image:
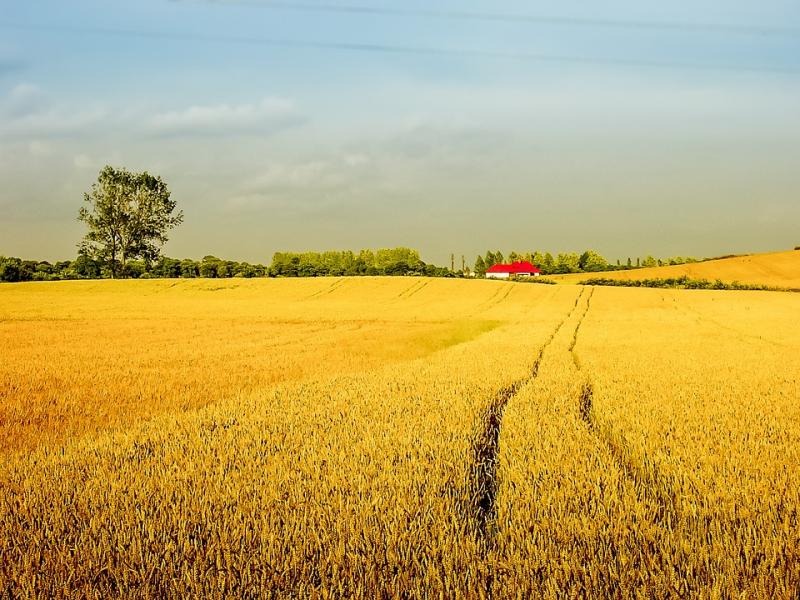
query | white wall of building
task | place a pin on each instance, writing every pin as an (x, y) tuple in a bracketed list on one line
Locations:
[(507, 275)]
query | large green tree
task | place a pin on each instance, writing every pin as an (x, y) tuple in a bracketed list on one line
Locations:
[(128, 215)]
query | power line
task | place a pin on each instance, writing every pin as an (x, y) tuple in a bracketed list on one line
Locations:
[(396, 49), (463, 15)]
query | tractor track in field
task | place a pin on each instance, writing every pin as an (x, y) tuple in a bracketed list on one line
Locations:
[(412, 289), (328, 290), (417, 290), (502, 298), (489, 301), (651, 486), (480, 511), (482, 489), (700, 317), (478, 505)]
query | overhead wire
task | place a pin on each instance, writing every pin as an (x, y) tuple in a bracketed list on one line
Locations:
[(519, 18), (398, 49)]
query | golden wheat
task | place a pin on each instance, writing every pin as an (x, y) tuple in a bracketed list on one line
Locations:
[(775, 269), (397, 438)]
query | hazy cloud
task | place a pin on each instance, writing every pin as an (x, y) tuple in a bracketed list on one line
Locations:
[(307, 187), (82, 161), (268, 115), (315, 174), (356, 160), (23, 100), (27, 111), (39, 148)]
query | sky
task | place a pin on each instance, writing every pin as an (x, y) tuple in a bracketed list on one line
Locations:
[(629, 127)]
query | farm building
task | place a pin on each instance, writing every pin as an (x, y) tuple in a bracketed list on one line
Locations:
[(517, 269)]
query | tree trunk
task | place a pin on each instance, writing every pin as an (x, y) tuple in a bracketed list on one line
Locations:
[(113, 256)]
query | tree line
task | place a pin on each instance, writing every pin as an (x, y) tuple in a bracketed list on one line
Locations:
[(390, 261), (589, 261), (84, 267)]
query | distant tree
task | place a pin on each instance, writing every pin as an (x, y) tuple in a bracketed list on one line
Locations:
[(387, 257), (490, 259), (591, 261), (649, 262), (568, 262), (638, 262), (480, 266), (629, 264), (128, 216), (400, 267), (548, 264), (223, 270), (189, 268), (514, 257), (134, 269), (10, 269), (498, 258), (167, 267), (209, 267)]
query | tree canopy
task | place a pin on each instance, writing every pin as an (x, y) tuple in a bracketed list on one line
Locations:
[(128, 215)]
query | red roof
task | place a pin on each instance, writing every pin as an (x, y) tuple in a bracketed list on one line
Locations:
[(517, 268)]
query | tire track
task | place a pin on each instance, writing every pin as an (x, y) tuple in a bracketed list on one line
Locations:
[(744, 334), (411, 290), (502, 298), (405, 291), (330, 289), (488, 301), (482, 478), (652, 487), (418, 290), (478, 508)]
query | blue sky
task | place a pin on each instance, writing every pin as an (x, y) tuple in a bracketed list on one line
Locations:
[(678, 133)]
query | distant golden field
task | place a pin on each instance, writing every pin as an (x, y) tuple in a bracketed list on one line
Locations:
[(397, 437), (777, 269)]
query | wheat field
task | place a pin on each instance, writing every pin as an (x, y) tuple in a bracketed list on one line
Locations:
[(398, 438), (774, 269)]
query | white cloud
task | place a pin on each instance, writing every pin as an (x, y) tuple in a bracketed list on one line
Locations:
[(300, 187), (24, 90), (270, 114), (81, 161), (356, 160), (27, 111), (277, 175), (23, 100), (39, 148)]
